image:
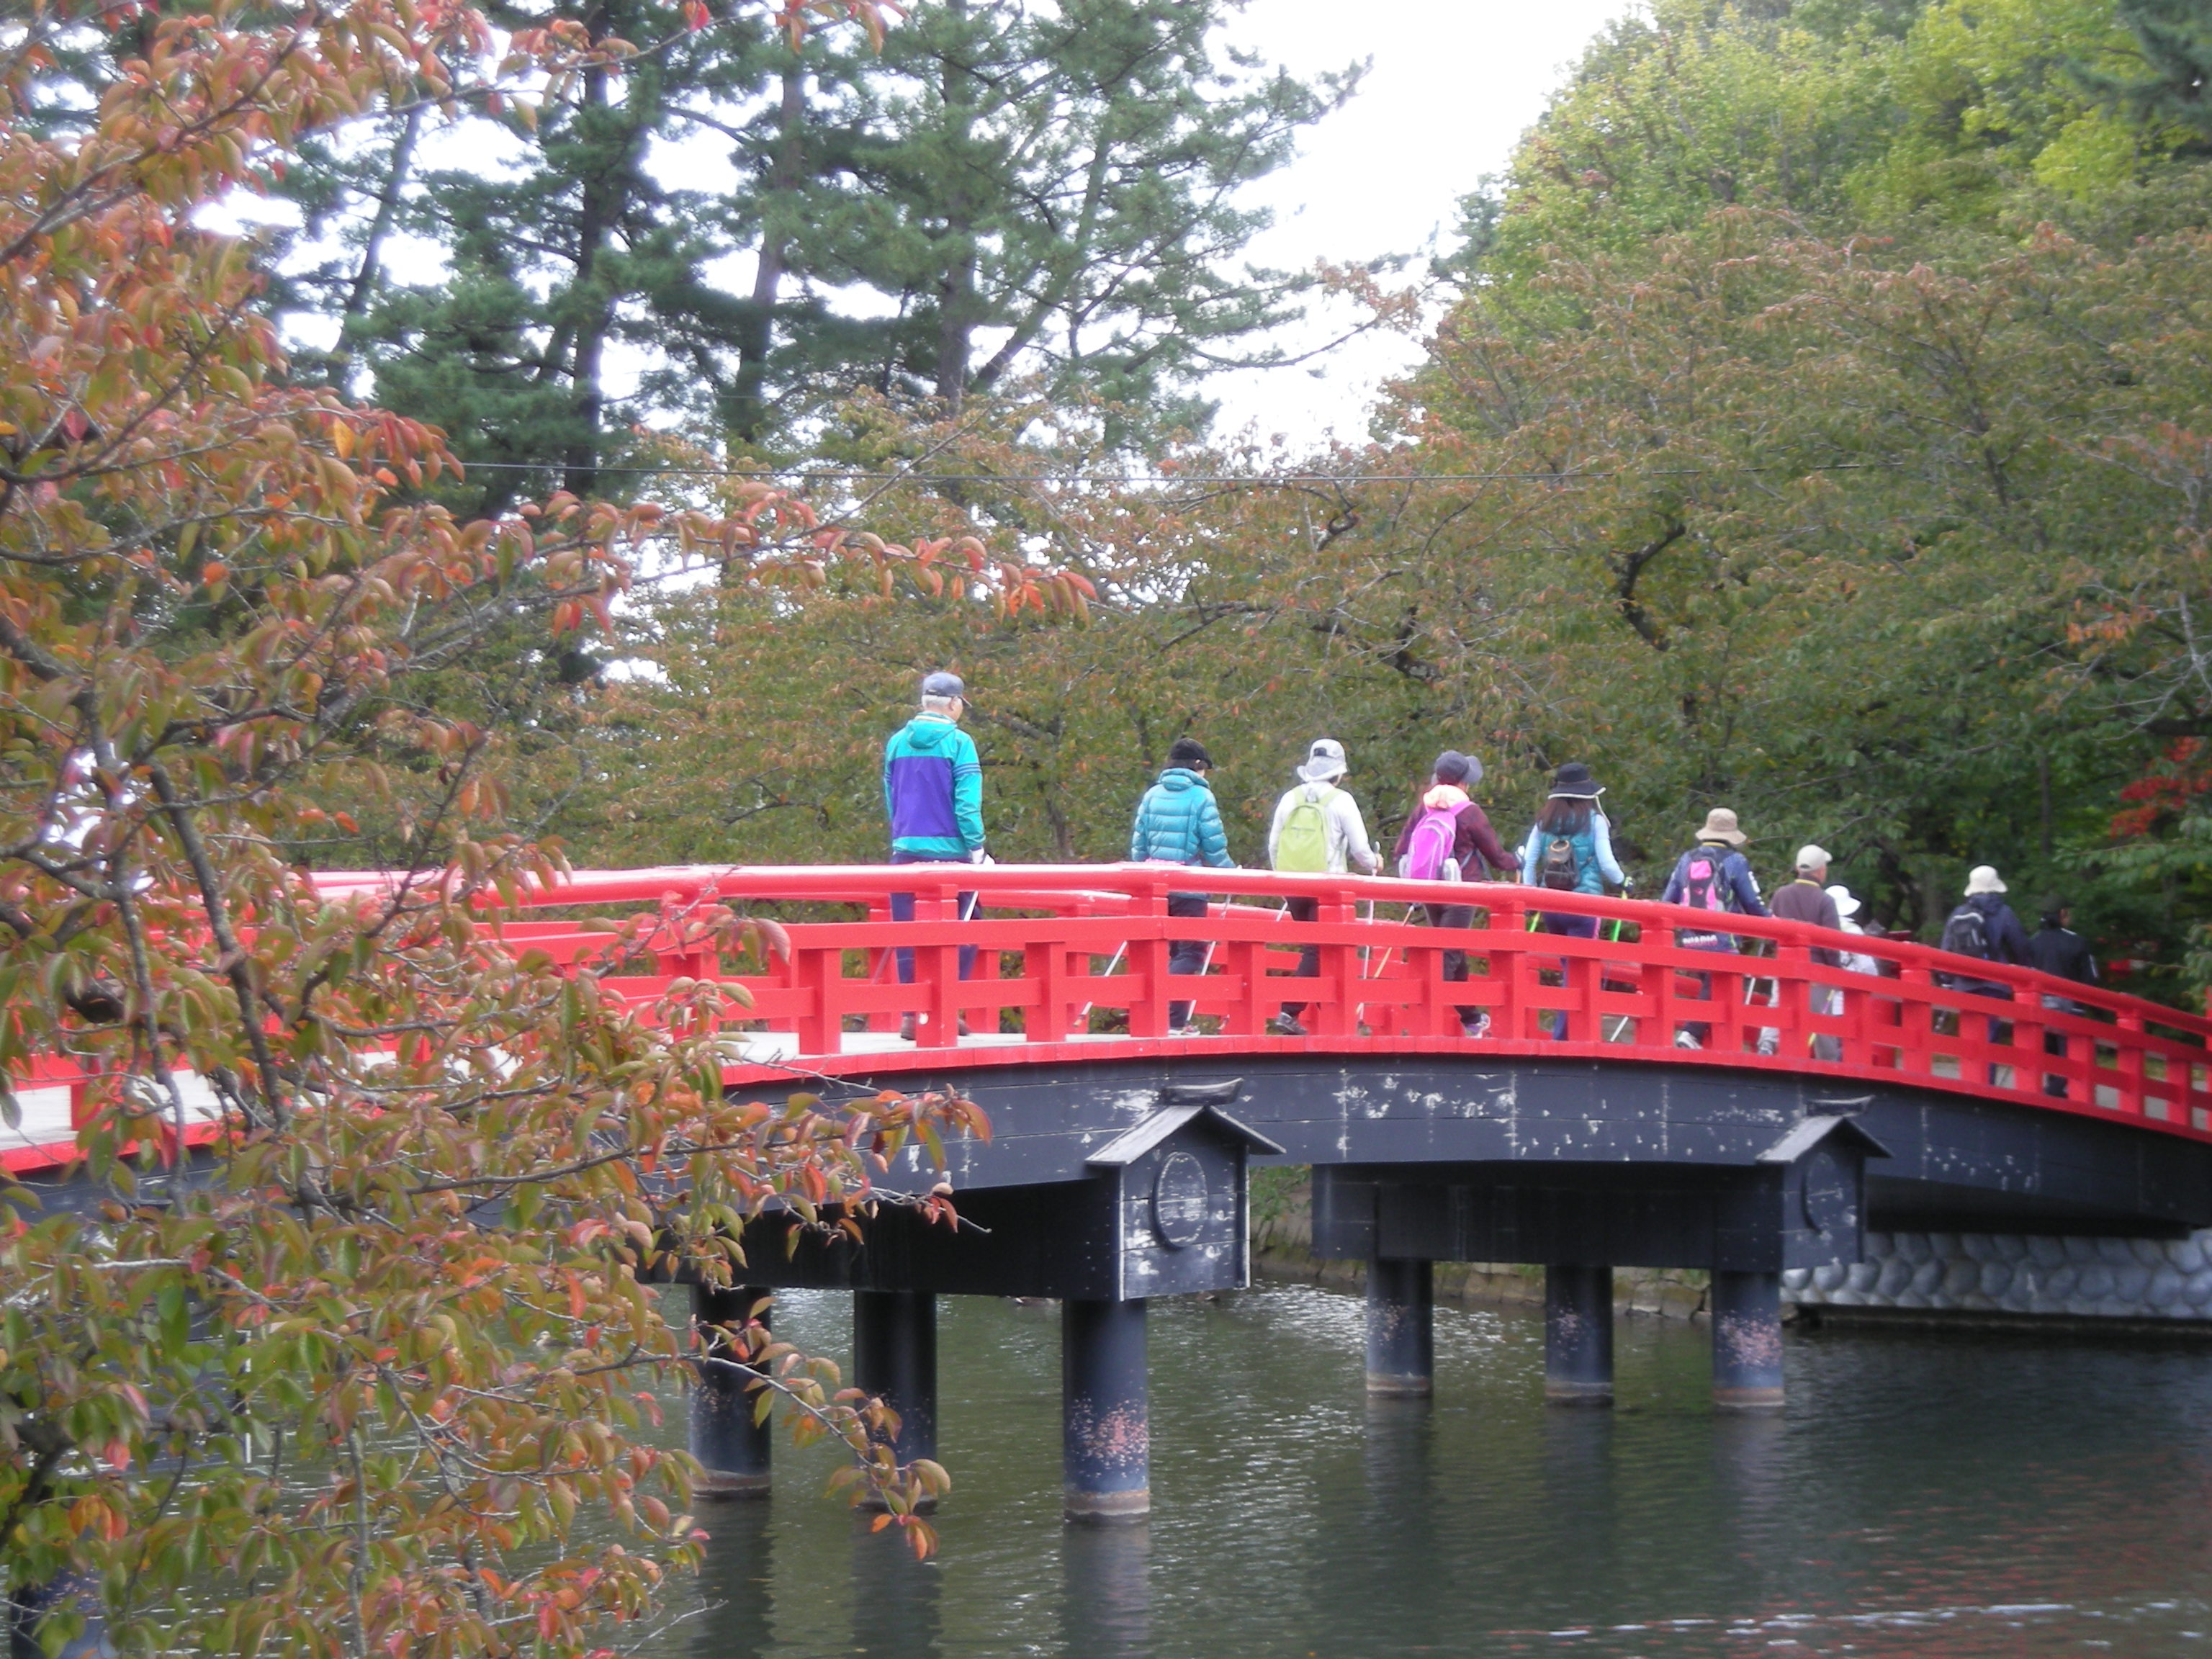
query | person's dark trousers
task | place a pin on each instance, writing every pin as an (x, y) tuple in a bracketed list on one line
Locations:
[(903, 910), (1185, 956), (1701, 1031), (2054, 1043), (1449, 915), (2000, 1029), (1305, 909), (1572, 927)]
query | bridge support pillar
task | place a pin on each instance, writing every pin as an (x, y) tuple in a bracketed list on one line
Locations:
[(732, 1449), (1105, 1429), (1401, 1348), (1577, 1334), (31, 1606), (894, 1356), (1746, 1341)]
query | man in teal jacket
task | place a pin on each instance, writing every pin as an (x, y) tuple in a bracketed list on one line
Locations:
[(1178, 821), (933, 795)]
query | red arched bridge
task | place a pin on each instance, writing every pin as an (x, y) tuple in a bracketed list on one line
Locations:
[(1839, 1083)]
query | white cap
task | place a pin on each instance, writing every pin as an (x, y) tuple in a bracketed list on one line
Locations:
[(1813, 858), (1983, 878)]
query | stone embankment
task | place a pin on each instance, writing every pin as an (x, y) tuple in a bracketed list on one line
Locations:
[(2015, 1273)]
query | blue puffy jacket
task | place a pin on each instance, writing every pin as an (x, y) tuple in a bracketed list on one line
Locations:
[(1178, 823)]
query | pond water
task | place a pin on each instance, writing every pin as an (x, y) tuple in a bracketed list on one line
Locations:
[(1947, 1495)]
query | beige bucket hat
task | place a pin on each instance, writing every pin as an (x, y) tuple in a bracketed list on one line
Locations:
[(1720, 825)]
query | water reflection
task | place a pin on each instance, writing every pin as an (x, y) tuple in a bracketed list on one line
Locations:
[(1921, 1498), (894, 1598), (737, 1586), (1748, 1449), (1106, 1599)]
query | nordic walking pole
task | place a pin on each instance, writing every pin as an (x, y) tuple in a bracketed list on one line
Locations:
[(1083, 1014), (1204, 963)]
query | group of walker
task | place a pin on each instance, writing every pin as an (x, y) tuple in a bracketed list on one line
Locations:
[(932, 793)]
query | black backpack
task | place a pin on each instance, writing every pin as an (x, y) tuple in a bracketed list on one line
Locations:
[(1966, 933)]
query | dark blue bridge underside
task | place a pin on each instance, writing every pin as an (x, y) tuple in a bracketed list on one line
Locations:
[(1536, 1160), (1954, 1162)]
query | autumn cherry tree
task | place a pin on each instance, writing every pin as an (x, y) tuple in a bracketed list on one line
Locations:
[(343, 1382)]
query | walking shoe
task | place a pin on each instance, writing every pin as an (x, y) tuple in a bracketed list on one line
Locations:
[(1684, 1040), (1288, 1025), (907, 1023), (1189, 1028), (1479, 1026)]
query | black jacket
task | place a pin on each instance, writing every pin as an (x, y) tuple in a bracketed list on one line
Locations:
[(2062, 952)]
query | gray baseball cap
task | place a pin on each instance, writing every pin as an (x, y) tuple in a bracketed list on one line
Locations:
[(942, 684)]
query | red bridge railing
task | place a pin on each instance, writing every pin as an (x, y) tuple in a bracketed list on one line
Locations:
[(1067, 956), (1072, 962)]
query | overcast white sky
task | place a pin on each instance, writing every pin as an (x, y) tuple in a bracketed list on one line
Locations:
[(1453, 86)]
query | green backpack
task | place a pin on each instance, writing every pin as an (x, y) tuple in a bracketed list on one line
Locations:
[(1303, 844)]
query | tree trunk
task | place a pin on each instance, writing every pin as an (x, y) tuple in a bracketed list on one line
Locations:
[(580, 469), (604, 184), (956, 315), (371, 250), (954, 328), (757, 336)]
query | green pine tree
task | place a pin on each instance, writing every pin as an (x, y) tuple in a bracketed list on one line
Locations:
[(1048, 190), (2176, 40)]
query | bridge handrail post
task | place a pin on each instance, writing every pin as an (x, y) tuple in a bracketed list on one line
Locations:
[(1917, 1033), (1337, 1005), (1659, 990), (1247, 964), (1792, 973), (1051, 1017), (1732, 991), (1148, 957), (1506, 923), (2129, 1058), (1435, 1010), (810, 972), (937, 967), (2028, 1028)]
